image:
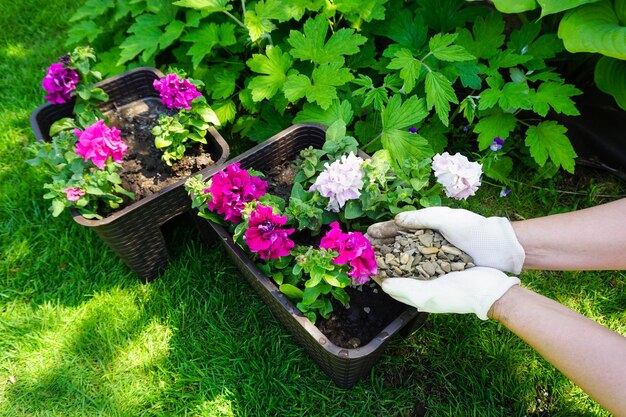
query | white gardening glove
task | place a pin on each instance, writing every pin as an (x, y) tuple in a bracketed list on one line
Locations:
[(490, 241), (471, 291)]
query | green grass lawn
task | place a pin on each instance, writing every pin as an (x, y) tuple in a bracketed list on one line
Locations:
[(80, 335)]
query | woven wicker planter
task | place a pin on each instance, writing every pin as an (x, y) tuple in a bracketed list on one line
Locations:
[(134, 232), (344, 366)]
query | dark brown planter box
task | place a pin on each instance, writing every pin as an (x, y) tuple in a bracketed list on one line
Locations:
[(134, 232), (344, 366)]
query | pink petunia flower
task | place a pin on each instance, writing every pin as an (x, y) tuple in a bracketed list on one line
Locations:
[(73, 193), (98, 141), (231, 188), (459, 176), (340, 181), (59, 82), (265, 234), (354, 249), (176, 93)]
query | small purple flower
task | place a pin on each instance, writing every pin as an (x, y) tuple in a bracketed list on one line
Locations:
[(59, 82), (505, 192), (496, 145), (176, 93), (413, 129)]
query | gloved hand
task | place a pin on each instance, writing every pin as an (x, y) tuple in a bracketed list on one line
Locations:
[(490, 241), (471, 291)]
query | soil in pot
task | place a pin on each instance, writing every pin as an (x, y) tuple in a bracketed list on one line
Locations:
[(143, 172)]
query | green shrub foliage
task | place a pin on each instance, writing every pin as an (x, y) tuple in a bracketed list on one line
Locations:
[(456, 71)]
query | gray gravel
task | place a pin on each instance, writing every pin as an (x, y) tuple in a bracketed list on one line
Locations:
[(422, 254)]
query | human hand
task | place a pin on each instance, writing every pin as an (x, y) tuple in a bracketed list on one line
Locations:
[(471, 291), (490, 241)]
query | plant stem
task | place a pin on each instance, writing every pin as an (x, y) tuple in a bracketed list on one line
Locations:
[(239, 22)]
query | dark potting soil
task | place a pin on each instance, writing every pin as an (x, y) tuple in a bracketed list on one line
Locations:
[(369, 311), (143, 171)]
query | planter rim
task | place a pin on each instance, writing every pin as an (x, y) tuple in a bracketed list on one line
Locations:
[(362, 351)]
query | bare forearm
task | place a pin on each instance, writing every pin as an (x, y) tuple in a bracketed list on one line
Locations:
[(591, 355), (589, 239)]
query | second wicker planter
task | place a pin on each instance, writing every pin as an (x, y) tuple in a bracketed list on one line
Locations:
[(344, 366)]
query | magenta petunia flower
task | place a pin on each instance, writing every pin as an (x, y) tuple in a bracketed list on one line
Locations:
[(265, 234), (354, 249), (98, 141), (176, 93), (73, 194), (59, 82), (231, 188)]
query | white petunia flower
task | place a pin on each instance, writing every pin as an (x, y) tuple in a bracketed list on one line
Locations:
[(459, 176), (340, 181)]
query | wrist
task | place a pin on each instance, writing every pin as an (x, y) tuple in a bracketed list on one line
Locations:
[(501, 309)]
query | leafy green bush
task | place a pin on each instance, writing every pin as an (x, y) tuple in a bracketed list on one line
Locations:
[(589, 26), (454, 71)]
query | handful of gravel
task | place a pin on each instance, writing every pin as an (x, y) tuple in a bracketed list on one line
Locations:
[(421, 254)]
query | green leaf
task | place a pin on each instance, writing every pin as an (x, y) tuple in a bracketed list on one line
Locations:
[(338, 110), (207, 6), (257, 25), (499, 169), (515, 96), (594, 28), (225, 112), (407, 29), (440, 41), (353, 209), (486, 37), (171, 33), (469, 74), (610, 77), (556, 6), (557, 96), (91, 9), (223, 83), (508, 59), (548, 139), (57, 207), (62, 124), (409, 67), (403, 145), (85, 29), (322, 90), (311, 45), (398, 115), (296, 86), (496, 124), (439, 93), (310, 295), (144, 40), (206, 37), (274, 65), (517, 6), (291, 291), (338, 281), (441, 48)]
